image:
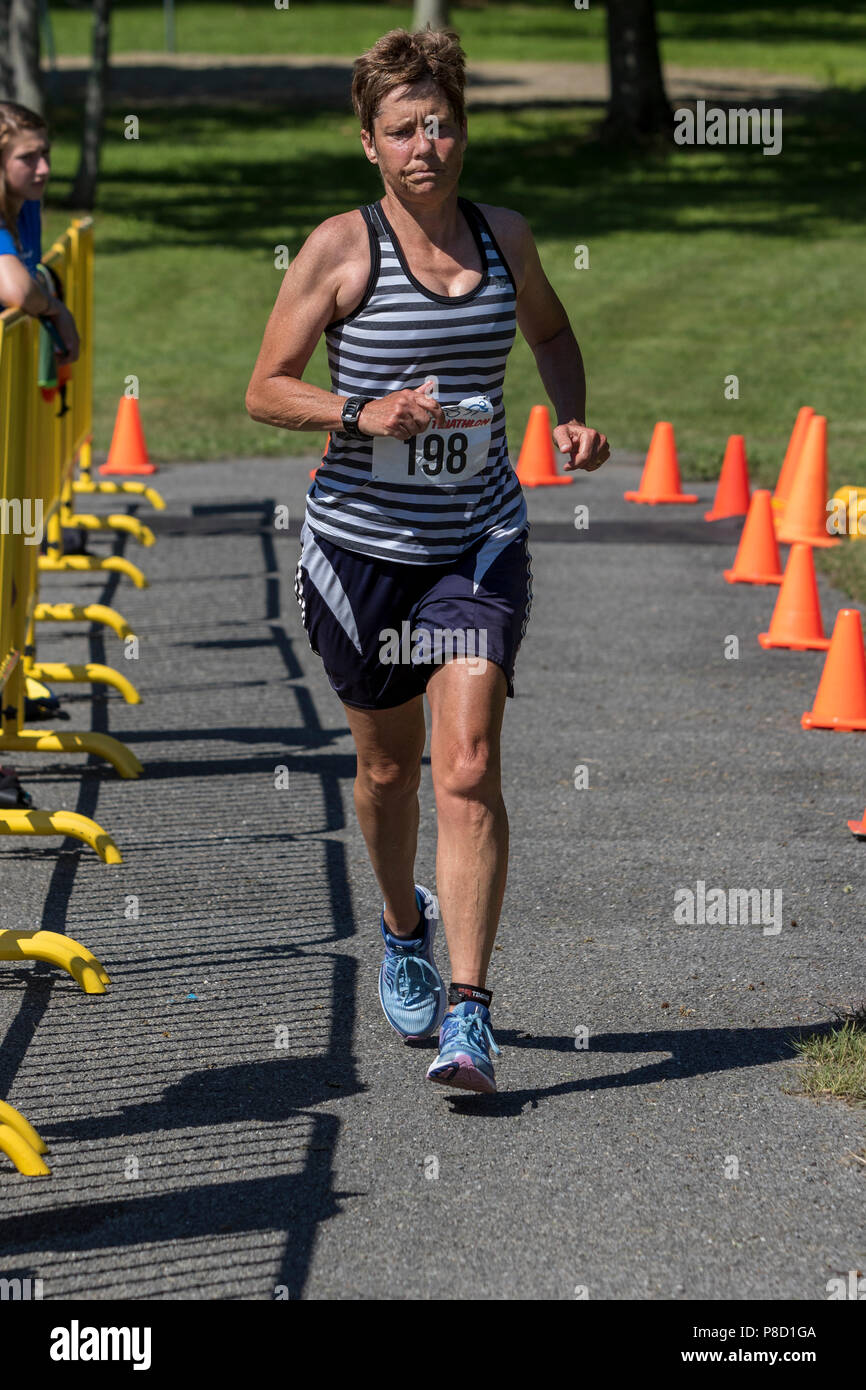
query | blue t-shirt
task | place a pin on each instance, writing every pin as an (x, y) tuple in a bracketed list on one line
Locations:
[(29, 234)]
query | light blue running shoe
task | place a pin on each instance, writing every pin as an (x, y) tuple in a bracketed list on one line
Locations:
[(411, 991), (465, 1040)]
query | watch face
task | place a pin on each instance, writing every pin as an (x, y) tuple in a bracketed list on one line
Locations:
[(351, 410)]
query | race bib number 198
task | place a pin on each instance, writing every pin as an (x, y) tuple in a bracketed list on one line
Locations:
[(442, 454)]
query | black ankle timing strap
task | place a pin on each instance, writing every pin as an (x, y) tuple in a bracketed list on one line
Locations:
[(469, 994)]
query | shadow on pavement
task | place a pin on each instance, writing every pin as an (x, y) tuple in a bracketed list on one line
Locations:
[(240, 1096)]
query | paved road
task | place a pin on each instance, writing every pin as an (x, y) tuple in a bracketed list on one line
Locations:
[(271, 1134), (324, 81)]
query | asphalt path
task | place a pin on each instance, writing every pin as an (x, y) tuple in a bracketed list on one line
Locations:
[(324, 81), (235, 1119)]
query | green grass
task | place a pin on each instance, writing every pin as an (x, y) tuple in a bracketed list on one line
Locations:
[(835, 1060), (823, 41), (703, 263)]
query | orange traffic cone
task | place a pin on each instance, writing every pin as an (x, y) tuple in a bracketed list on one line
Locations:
[(805, 514), (128, 452), (314, 471), (788, 471), (660, 480), (536, 466), (858, 827), (757, 559), (841, 699), (796, 621), (732, 493)]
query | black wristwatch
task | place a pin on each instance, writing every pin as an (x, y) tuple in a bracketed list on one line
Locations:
[(351, 410)]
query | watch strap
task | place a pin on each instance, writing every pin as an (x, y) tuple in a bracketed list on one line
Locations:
[(350, 416)]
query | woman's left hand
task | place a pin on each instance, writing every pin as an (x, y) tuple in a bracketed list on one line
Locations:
[(587, 448)]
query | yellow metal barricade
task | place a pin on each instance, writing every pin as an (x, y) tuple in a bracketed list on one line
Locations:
[(80, 284), (81, 233), (37, 448), (72, 256), (81, 256), (56, 440)]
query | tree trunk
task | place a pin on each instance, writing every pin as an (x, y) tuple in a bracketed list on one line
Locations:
[(638, 107), (24, 53), (434, 11), (83, 194), (7, 81)]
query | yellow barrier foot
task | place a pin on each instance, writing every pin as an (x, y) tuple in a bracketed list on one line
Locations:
[(24, 1157), (34, 689), (56, 949), (15, 1120), (116, 522), (83, 613), (103, 745), (62, 823), (89, 671), (136, 489), (115, 564), (79, 951)]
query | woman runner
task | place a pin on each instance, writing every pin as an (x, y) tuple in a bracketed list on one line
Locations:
[(414, 573)]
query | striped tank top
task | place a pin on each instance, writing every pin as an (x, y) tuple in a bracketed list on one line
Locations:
[(400, 334)]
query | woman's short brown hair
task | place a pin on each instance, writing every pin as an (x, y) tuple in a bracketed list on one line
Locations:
[(401, 59)]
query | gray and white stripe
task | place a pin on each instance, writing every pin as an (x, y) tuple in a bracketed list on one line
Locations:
[(325, 578), (400, 334)]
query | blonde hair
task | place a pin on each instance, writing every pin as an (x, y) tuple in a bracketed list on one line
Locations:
[(401, 58), (15, 120)]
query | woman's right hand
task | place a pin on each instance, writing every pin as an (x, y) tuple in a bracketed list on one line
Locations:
[(65, 324), (401, 414)]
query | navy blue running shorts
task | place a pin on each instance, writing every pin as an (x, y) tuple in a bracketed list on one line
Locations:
[(382, 628)]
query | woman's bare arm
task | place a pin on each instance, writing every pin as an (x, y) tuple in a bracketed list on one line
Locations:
[(308, 300)]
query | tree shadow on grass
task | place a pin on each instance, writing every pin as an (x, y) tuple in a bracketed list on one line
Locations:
[(760, 22), (303, 167)]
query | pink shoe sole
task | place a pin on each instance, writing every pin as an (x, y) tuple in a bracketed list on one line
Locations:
[(463, 1074)]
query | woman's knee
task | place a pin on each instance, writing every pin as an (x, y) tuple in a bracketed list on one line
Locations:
[(469, 770), (389, 779)]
